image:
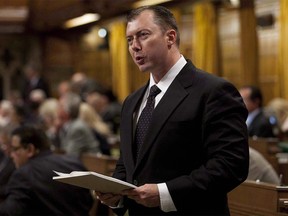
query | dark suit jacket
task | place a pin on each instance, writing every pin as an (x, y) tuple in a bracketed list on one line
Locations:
[(260, 126), (41, 84), (7, 167), (32, 191), (196, 143)]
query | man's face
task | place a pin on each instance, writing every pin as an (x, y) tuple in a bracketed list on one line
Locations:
[(148, 45), (19, 154), (5, 143), (62, 115), (250, 105)]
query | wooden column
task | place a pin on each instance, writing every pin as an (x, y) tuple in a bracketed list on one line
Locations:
[(283, 49), (205, 37), (249, 43)]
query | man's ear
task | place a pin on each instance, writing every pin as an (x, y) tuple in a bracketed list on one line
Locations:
[(32, 151), (171, 37)]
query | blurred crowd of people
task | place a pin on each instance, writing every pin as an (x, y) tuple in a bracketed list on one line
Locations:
[(84, 111), (83, 118)]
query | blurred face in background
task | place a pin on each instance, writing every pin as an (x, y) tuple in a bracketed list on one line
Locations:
[(97, 101), (5, 143), (250, 104), (62, 115), (19, 154)]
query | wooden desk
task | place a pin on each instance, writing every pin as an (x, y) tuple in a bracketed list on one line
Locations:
[(268, 147), (258, 199), (99, 163), (102, 164)]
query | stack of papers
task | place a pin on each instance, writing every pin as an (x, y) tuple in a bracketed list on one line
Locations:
[(93, 181)]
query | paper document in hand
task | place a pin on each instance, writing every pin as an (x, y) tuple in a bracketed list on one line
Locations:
[(93, 181)]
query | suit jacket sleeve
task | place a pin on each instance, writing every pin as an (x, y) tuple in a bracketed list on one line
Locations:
[(226, 161)]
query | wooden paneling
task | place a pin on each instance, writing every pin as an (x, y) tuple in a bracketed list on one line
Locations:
[(13, 3), (230, 43), (268, 50)]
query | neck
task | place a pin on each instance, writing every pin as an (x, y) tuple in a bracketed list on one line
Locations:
[(168, 64)]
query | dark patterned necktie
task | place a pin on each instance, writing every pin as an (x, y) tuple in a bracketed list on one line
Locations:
[(145, 118)]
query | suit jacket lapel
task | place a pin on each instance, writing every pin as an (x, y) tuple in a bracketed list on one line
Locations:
[(170, 101), (127, 122)]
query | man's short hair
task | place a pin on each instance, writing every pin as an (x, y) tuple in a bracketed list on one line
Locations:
[(163, 17), (32, 135), (255, 95)]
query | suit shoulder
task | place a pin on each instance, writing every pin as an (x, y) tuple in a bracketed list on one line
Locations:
[(211, 82), (191, 75)]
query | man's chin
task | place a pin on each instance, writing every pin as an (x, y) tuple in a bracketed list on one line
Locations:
[(142, 68)]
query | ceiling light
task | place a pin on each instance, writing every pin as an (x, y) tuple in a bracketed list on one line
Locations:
[(11, 14), (235, 3), (82, 20), (102, 33), (149, 2)]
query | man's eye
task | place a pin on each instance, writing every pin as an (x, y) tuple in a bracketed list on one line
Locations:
[(144, 34), (129, 40)]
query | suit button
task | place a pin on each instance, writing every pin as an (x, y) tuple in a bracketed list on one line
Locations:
[(135, 182)]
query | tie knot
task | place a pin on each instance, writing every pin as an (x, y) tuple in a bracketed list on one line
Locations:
[(154, 90)]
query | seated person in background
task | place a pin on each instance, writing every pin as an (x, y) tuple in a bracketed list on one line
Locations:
[(5, 112), (75, 135), (7, 166), (36, 98), (99, 128), (63, 88), (48, 114), (278, 108), (106, 104), (260, 169), (31, 189), (257, 122), (80, 82)]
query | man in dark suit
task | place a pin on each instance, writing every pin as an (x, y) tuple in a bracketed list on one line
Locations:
[(195, 150), (31, 189), (33, 80), (257, 122)]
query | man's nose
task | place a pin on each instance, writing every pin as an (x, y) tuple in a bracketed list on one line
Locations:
[(136, 46)]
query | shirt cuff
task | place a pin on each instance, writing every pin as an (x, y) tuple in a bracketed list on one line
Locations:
[(166, 202)]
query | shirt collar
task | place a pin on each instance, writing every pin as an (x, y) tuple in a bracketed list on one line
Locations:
[(252, 115), (165, 82)]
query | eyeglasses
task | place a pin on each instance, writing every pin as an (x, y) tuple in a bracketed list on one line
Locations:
[(14, 149)]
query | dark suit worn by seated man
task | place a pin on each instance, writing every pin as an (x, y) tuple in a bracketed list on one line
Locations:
[(31, 189), (257, 122)]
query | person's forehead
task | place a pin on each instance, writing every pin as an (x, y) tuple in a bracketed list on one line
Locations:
[(143, 20), (245, 91), (15, 140)]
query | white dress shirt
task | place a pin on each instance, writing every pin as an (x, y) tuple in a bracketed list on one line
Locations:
[(166, 202), (251, 117)]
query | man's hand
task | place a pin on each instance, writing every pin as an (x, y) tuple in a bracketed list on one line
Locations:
[(146, 195), (108, 199)]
